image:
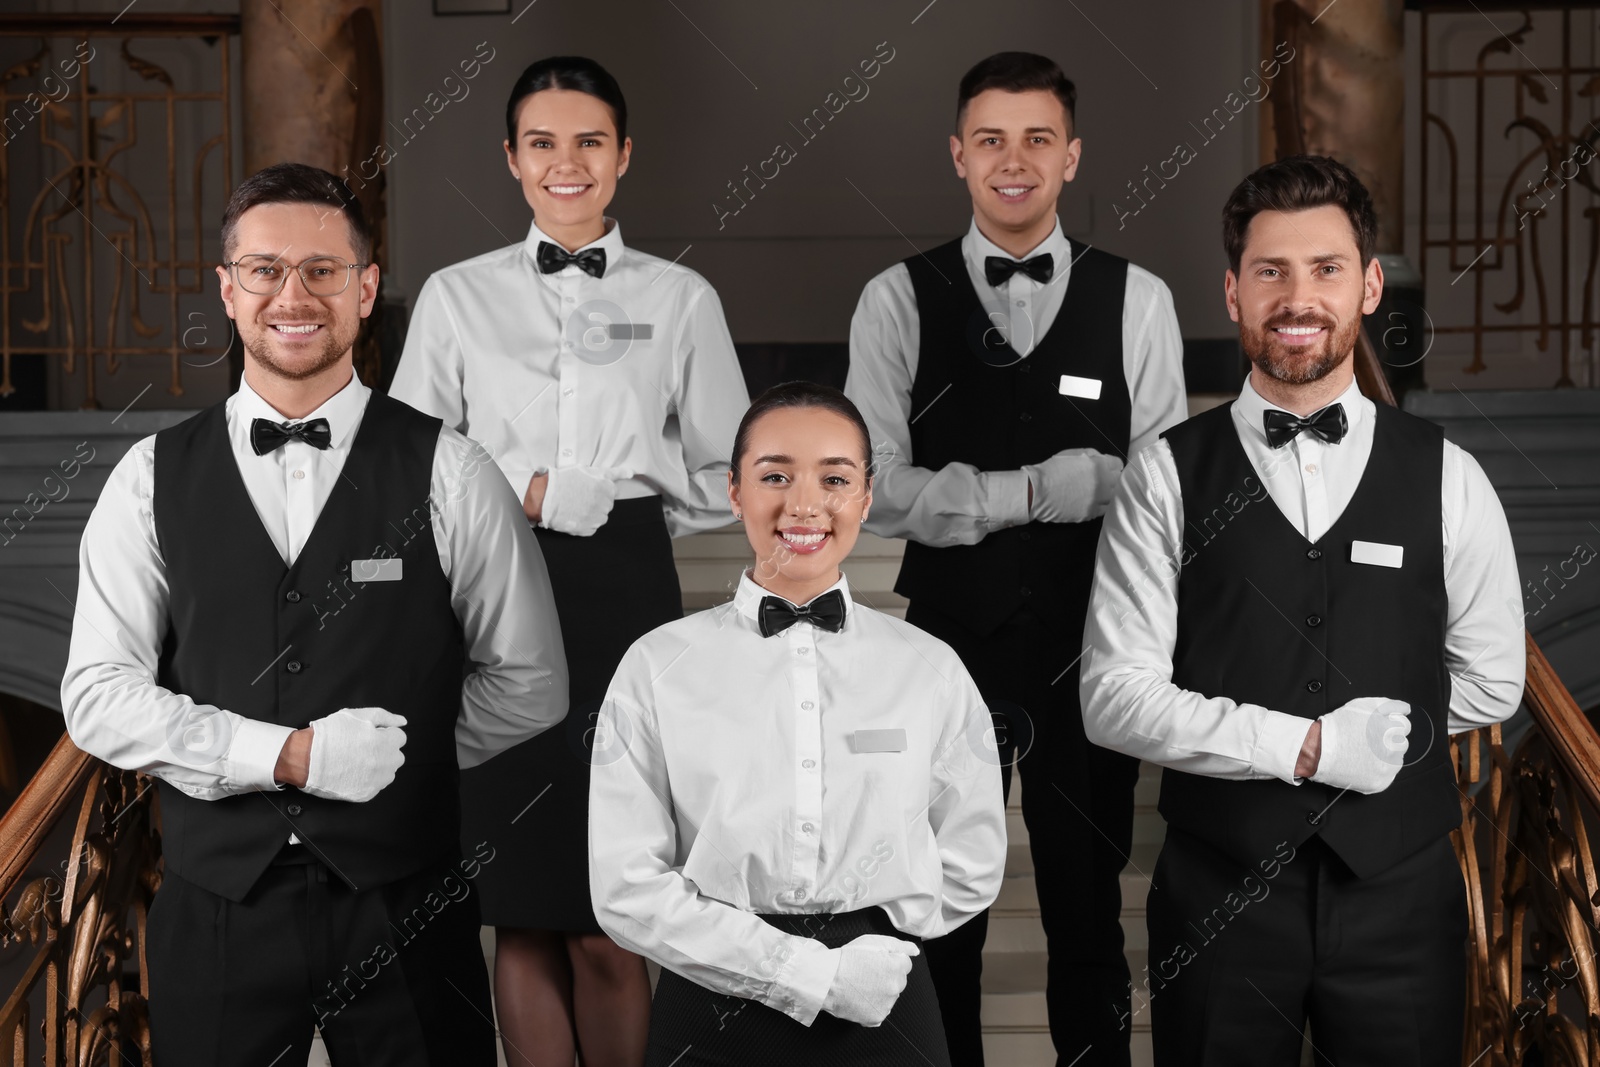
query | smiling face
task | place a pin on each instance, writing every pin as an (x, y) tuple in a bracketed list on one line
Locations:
[(803, 491), (568, 161), (1299, 296), (294, 335), (1016, 151)]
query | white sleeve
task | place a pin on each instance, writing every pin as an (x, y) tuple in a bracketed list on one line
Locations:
[(641, 897), (966, 805), (1130, 703), (501, 594), (113, 706), (1152, 358), (955, 505), (709, 401), (1484, 645)]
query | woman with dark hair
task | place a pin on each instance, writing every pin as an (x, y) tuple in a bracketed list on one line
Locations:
[(605, 385), (795, 788)]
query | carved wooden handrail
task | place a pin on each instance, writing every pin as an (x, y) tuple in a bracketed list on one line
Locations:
[(87, 923)]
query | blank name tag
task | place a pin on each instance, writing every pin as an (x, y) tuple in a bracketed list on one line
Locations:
[(1378, 555), (375, 570), (1088, 388), (879, 740), (630, 331)]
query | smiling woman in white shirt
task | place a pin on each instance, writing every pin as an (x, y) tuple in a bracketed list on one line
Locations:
[(604, 383), (791, 790)]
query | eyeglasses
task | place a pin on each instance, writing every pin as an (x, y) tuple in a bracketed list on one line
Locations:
[(321, 275)]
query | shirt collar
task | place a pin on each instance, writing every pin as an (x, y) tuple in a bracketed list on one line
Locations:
[(977, 247), (343, 410), (610, 241), (747, 598), (1251, 406)]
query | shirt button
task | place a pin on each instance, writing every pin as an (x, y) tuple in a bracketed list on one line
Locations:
[(1314, 553), (292, 597), (806, 827), (293, 809), (1022, 304), (808, 764), (807, 705), (1311, 468), (293, 666), (566, 392), (569, 344), (566, 451), (1313, 620), (1314, 686), (803, 650), (1313, 818), (299, 474), (799, 894)]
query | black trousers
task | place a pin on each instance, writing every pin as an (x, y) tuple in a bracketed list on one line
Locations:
[(1240, 961), (691, 1026), (1077, 801), (392, 975)]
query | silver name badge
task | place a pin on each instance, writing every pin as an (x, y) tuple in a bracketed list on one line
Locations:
[(878, 741), (1088, 388), (1379, 555), (375, 570)]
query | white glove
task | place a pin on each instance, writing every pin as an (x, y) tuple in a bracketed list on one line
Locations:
[(1074, 485), (1363, 744), (871, 976), (355, 752), (578, 499)]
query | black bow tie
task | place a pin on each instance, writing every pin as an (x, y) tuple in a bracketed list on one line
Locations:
[(826, 612), (1328, 424), (268, 436), (592, 261), (996, 269)]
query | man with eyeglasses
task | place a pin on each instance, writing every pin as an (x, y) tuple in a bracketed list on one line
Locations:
[(300, 612)]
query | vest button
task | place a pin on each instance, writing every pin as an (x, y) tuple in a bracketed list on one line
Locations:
[(1313, 620), (1314, 686), (1313, 553), (293, 809), (1025, 417), (1314, 818), (1026, 536), (1024, 369), (293, 666), (292, 597), (1026, 591)]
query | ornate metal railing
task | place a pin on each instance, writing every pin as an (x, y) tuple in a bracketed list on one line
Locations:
[(1509, 141), (72, 1006), (112, 172)]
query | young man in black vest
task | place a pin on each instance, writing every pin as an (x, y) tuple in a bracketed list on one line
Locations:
[(300, 611), (1011, 372), (1298, 598)]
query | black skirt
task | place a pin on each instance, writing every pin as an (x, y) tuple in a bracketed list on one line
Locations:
[(531, 802), (691, 1026)]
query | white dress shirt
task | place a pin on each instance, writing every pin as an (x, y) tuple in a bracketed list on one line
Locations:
[(116, 710), (734, 777), (959, 504), (1129, 701), (633, 369)]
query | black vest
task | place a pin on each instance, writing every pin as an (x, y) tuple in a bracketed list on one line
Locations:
[(291, 644), (976, 401), (1267, 617)]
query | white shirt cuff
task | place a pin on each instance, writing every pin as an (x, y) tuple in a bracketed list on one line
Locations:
[(1005, 498), (1278, 745), (253, 755), (805, 980)]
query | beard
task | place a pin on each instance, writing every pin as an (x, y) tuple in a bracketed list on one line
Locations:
[(1298, 365), (335, 344)]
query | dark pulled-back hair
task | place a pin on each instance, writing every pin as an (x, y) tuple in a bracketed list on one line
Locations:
[(578, 73), (1296, 183), (1018, 72), (799, 394), (297, 183)]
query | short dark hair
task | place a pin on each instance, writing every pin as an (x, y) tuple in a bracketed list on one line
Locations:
[(800, 394), (1018, 72), (1296, 183), (578, 73), (297, 183)]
